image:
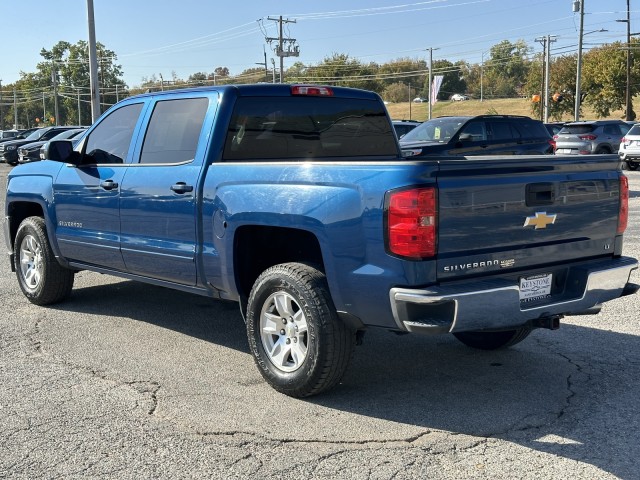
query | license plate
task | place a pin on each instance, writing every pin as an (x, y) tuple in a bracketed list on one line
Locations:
[(535, 287), (563, 150)]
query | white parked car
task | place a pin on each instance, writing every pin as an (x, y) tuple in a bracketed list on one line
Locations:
[(629, 150), (458, 97), (420, 100)]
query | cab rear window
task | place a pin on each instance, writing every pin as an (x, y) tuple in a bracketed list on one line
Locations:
[(301, 128)]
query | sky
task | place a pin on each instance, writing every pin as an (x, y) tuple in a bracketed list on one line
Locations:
[(153, 40)]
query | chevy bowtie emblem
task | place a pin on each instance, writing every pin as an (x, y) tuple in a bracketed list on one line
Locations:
[(540, 220)]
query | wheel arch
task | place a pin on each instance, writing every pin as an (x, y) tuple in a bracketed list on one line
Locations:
[(17, 212), (257, 248)]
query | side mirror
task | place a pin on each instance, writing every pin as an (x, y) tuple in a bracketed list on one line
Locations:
[(59, 151), (465, 137)]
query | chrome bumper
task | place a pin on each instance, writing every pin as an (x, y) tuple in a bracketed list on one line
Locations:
[(495, 303)]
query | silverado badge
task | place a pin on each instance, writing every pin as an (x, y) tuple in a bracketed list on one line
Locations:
[(540, 220)]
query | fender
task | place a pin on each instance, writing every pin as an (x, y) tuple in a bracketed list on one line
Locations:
[(26, 188)]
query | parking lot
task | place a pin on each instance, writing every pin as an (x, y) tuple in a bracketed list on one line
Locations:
[(127, 380)]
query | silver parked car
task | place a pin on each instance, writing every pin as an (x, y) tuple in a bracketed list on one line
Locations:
[(598, 136), (630, 148)]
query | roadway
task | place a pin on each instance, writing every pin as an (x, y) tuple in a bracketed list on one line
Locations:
[(126, 380)]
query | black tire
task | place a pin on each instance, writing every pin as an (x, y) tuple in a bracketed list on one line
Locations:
[(298, 342), (602, 150), (493, 340), (41, 278), (632, 165)]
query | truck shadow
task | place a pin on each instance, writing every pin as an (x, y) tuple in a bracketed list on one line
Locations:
[(571, 393)]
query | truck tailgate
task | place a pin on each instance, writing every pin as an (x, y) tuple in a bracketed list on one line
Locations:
[(498, 215)]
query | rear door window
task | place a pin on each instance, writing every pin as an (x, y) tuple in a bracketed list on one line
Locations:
[(299, 128), (500, 131), (174, 130), (612, 130)]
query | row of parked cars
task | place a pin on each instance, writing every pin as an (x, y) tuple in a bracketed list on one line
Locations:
[(477, 135), (25, 146), (518, 135)]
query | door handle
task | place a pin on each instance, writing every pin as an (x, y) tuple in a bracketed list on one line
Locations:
[(182, 187), (109, 184)]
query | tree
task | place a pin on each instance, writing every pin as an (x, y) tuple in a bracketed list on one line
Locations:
[(562, 85), (398, 92), (339, 69), (506, 70), (453, 78), (604, 77), (406, 70), (69, 65)]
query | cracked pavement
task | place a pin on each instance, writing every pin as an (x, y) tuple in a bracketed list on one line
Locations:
[(126, 380)]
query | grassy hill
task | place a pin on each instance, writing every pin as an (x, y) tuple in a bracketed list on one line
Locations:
[(502, 106)]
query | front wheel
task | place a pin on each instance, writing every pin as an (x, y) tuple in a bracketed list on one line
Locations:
[(632, 165), (41, 278), (493, 340), (297, 340)]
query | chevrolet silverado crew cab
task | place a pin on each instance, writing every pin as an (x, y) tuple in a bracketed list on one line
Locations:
[(296, 202)]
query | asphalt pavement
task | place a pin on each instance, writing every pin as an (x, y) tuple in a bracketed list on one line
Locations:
[(129, 381)]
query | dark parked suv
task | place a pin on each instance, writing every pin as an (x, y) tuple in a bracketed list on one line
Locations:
[(480, 135), (9, 150)]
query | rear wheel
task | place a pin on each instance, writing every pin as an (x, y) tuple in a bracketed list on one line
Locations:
[(632, 165), (41, 278), (602, 150), (297, 340), (493, 340)]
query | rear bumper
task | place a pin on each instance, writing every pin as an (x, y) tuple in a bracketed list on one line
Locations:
[(495, 304)]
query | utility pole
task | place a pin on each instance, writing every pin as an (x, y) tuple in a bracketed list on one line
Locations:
[(431, 49), (292, 49), (54, 79), (546, 44), (629, 113), (79, 111), (15, 109), (481, 76), (578, 94), (93, 64), (264, 64)]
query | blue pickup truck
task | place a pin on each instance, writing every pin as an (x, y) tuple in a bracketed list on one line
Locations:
[(295, 202)]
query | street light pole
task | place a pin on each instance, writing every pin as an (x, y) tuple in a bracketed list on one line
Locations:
[(431, 49), (93, 64), (576, 113), (629, 113)]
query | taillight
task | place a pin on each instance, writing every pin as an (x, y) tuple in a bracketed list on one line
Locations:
[(587, 137), (411, 222), (623, 215), (311, 90)]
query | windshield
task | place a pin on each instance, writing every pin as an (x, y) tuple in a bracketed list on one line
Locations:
[(635, 130), (436, 130), (67, 134), (35, 135)]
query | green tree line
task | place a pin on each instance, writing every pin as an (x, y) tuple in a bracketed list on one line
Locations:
[(60, 83)]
